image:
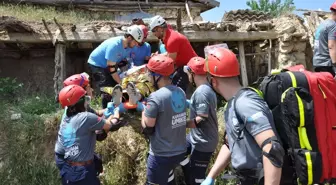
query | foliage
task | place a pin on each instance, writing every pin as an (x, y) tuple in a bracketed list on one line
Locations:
[(274, 7), (38, 105), (25, 152), (9, 88)]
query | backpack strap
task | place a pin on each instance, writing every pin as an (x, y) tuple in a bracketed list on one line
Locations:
[(240, 120)]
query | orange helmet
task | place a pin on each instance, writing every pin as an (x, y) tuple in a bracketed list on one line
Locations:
[(77, 79), (222, 62), (333, 6), (196, 64), (145, 31), (161, 65), (70, 95)]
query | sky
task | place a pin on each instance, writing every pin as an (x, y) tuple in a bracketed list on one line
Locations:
[(216, 14)]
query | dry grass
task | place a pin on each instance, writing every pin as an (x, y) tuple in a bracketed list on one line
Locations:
[(36, 13)]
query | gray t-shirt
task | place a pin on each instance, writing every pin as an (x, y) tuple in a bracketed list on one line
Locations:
[(77, 136), (59, 148), (168, 106), (204, 101), (324, 32), (246, 153)]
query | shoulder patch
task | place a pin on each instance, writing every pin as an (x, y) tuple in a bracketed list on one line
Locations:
[(255, 117)]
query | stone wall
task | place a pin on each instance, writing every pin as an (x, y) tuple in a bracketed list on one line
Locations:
[(293, 45)]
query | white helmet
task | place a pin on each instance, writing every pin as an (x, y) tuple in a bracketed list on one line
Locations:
[(156, 21), (136, 32)]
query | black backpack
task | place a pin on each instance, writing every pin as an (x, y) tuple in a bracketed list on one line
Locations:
[(287, 95)]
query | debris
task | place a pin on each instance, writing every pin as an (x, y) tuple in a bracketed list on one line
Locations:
[(15, 116)]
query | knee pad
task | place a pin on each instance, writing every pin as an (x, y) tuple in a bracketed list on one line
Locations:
[(276, 153)]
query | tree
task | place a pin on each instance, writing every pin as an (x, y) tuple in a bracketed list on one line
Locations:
[(274, 7)]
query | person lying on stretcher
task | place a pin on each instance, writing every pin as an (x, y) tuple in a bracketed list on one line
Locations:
[(131, 94)]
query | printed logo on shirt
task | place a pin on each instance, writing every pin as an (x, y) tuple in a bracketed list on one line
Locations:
[(178, 101), (72, 151), (201, 105), (179, 120), (178, 104), (69, 135)]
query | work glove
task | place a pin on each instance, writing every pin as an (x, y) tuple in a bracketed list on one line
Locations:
[(101, 135), (208, 181), (109, 110)]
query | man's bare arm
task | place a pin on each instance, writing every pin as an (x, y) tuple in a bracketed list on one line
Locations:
[(332, 50), (191, 123), (172, 55), (146, 121), (222, 161), (272, 174)]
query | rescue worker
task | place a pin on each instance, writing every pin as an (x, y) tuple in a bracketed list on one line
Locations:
[(77, 136), (105, 60), (142, 53), (256, 153), (83, 81), (203, 137), (324, 59), (164, 122), (178, 48)]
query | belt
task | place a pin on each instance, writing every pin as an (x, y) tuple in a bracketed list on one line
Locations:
[(80, 163)]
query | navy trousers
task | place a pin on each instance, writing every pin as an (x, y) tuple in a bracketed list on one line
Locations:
[(159, 169)]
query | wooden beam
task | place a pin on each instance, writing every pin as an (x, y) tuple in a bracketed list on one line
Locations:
[(242, 62), (60, 67), (90, 36), (270, 57), (213, 3), (188, 12)]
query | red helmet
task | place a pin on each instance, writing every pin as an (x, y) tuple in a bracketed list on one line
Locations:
[(77, 79), (222, 62), (333, 6), (196, 64), (145, 31), (161, 65), (70, 95)]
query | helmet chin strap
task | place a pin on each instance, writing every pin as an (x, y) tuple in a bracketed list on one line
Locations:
[(156, 82), (193, 80)]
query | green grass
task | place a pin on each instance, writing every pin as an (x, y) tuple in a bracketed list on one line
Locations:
[(36, 13)]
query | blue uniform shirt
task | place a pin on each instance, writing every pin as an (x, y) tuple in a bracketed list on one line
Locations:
[(111, 49), (140, 53)]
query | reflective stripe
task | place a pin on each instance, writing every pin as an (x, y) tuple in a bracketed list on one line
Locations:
[(171, 178), (185, 161), (199, 181), (324, 95), (292, 76), (259, 92), (309, 167)]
